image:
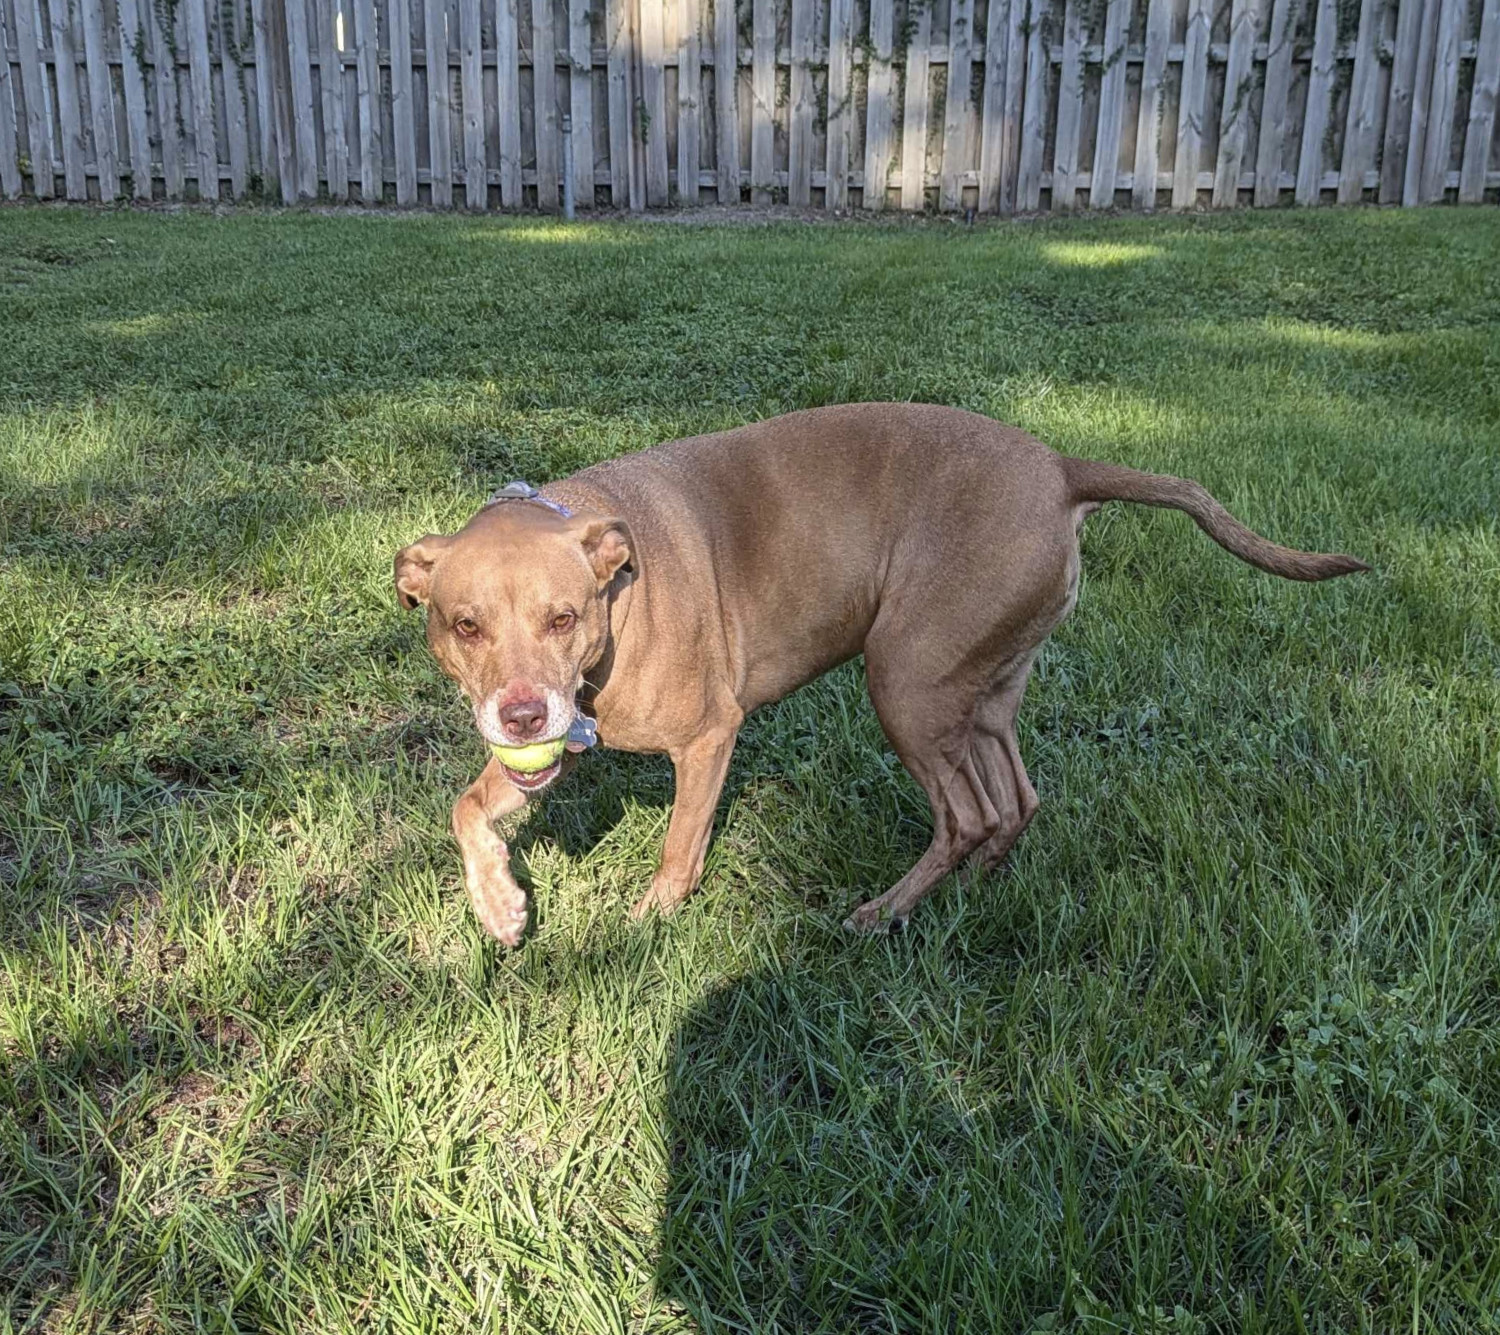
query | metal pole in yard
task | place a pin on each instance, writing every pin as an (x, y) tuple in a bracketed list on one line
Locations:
[(567, 166)]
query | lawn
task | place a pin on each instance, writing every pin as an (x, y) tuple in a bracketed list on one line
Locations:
[(1219, 1049)]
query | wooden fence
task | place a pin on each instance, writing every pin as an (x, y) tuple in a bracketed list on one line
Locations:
[(998, 105)]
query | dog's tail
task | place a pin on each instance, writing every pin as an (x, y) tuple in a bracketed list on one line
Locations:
[(1093, 482)]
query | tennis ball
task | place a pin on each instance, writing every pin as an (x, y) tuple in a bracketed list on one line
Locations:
[(530, 759)]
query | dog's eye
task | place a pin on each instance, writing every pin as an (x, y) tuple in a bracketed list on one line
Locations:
[(466, 627), (562, 623)]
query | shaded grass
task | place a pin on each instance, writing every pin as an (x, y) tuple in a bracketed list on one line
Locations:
[(1217, 1050)]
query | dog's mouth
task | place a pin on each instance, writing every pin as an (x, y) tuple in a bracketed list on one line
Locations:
[(533, 783)]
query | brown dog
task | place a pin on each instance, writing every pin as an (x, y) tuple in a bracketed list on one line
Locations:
[(680, 588)]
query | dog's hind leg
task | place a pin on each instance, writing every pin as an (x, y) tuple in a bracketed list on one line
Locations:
[(997, 757), (931, 729)]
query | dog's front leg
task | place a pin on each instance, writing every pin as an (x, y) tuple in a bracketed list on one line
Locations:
[(701, 767), (497, 899)]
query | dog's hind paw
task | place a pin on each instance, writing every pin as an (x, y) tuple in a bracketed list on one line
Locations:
[(875, 918)]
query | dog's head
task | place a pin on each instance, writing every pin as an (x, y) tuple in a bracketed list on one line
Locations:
[(518, 607)]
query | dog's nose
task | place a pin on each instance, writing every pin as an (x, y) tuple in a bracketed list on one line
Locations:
[(523, 719)]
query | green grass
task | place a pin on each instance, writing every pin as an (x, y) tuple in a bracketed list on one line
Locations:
[(1220, 1048)]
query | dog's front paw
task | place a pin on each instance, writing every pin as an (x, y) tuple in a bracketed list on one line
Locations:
[(874, 918), (664, 897), (497, 899)]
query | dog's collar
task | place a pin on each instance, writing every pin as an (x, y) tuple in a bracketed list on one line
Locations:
[(524, 491)]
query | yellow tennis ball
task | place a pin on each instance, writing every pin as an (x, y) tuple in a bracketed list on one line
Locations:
[(530, 759)]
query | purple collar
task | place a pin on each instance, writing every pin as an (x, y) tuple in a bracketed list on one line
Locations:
[(524, 491)]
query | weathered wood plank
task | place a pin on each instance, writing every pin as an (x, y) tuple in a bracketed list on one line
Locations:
[(1234, 121), (65, 70), (1190, 108), (1439, 140), (1111, 106), (726, 101), (762, 101), (653, 59), (1319, 92), (1148, 124), (439, 114), (621, 104), (1359, 124), (544, 88), (299, 56), (471, 89), (1034, 110), (367, 75), (1480, 134), (164, 76), (331, 89), (956, 103), (878, 108), (508, 95), (265, 98), (1399, 103), (403, 104), (1421, 99), (840, 101), (101, 99), (992, 115), (800, 128), (581, 101), (34, 95), (1268, 148), (689, 91), (204, 134), (236, 115), (10, 99), (914, 111), (1069, 110)]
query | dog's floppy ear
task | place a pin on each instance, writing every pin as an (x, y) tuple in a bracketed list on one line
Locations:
[(608, 545), (414, 569)]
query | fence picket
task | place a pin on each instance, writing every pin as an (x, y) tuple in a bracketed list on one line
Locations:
[(878, 109), (799, 149), (580, 101), (1190, 109), (689, 90), (265, 99), (621, 104), (914, 110), (762, 102), (1069, 110), (331, 95), (1268, 149), (653, 59), (205, 133), (236, 114), (164, 72), (956, 104), (1148, 123), (1319, 92), (439, 119), (403, 105), (1421, 99), (65, 71), (1234, 125), (1393, 153), (508, 94), (299, 53), (992, 125), (10, 162), (101, 99), (33, 88), (367, 75), (726, 101), (1111, 105), (1439, 140), (1481, 129), (1359, 124), (544, 94), (1033, 124), (840, 97), (471, 90)]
